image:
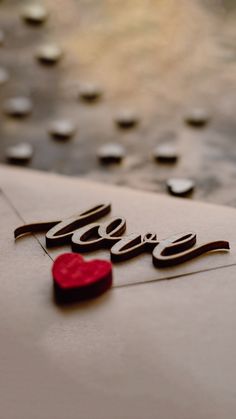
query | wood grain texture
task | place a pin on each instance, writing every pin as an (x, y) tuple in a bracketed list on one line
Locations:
[(159, 58)]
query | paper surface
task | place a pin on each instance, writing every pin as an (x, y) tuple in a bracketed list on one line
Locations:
[(164, 349), (43, 197)]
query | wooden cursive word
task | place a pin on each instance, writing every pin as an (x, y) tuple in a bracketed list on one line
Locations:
[(86, 234)]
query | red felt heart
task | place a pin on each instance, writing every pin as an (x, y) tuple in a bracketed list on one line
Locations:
[(75, 279)]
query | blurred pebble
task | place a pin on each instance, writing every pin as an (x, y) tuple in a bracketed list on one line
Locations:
[(62, 129), (20, 153), (111, 153), (126, 119), (2, 37), (34, 14), (18, 107), (4, 76), (90, 92), (197, 118), (49, 54), (180, 186), (165, 153)]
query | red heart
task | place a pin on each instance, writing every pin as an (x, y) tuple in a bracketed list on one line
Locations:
[(75, 279)]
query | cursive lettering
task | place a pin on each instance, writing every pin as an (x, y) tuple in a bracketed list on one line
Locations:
[(86, 235)]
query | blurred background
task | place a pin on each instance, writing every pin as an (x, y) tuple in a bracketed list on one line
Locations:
[(129, 92)]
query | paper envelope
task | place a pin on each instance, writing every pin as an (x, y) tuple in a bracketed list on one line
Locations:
[(145, 349)]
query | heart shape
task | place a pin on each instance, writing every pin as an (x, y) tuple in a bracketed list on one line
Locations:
[(180, 187), (76, 279)]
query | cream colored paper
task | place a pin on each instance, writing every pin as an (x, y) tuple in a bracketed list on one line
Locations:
[(43, 197), (159, 350)]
